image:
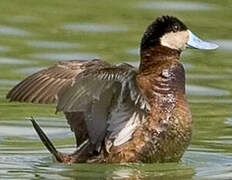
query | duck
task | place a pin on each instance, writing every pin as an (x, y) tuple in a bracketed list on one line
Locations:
[(120, 113)]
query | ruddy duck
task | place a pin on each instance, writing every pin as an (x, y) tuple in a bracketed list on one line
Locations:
[(117, 112)]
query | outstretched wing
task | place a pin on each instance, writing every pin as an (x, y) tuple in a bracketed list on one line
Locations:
[(95, 97), (43, 86), (91, 84), (103, 93)]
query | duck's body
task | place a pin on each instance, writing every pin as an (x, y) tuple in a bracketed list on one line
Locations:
[(119, 113), (166, 131)]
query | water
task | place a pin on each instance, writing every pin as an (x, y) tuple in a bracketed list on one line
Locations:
[(178, 6), (88, 27), (34, 33), (5, 30), (64, 56)]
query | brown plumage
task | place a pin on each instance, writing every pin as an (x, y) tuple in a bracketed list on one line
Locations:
[(117, 112)]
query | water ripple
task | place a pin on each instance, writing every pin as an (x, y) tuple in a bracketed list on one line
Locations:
[(64, 56), (178, 6), (6, 60), (6, 82), (29, 132), (6, 30), (93, 27), (4, 48), (205, 91), (224, 44), (29, 70), (52, 44)]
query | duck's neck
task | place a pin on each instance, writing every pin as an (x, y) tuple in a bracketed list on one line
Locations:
[(156, 54), (161, 76)]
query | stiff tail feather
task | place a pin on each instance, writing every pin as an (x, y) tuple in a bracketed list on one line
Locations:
[(51, 148)]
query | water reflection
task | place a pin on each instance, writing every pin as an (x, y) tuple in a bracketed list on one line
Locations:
[(4, 48), (134, 51), (210, 101), (92, 27), (211, 165), (6, 82), (56, 127), (178, 6), (229, 121), (29, 70), (20, 166), (125, 173), (224, 44), (52, 44), (6, 60), (7, 30), (208, 76), (64, 56), (30, 133), (205, 91), (115, 171), (23, 19)]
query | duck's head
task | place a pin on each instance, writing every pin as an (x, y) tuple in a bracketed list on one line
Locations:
[(172, 33)]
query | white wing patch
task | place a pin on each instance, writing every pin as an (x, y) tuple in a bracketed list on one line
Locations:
[(122, 123), (126, 133)]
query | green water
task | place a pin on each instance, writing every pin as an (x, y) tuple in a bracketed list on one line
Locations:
[(35, 34)]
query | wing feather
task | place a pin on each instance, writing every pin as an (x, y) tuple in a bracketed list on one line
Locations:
[(92, 84), (16, 91), (92, 94), (31, 89), (43, 86), (45, 93), (110, 98), (38, 95)]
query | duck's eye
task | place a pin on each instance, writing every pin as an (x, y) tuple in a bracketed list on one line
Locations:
[(175, 28)]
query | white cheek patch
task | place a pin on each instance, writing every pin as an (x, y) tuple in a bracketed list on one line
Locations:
[(175, 40)]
